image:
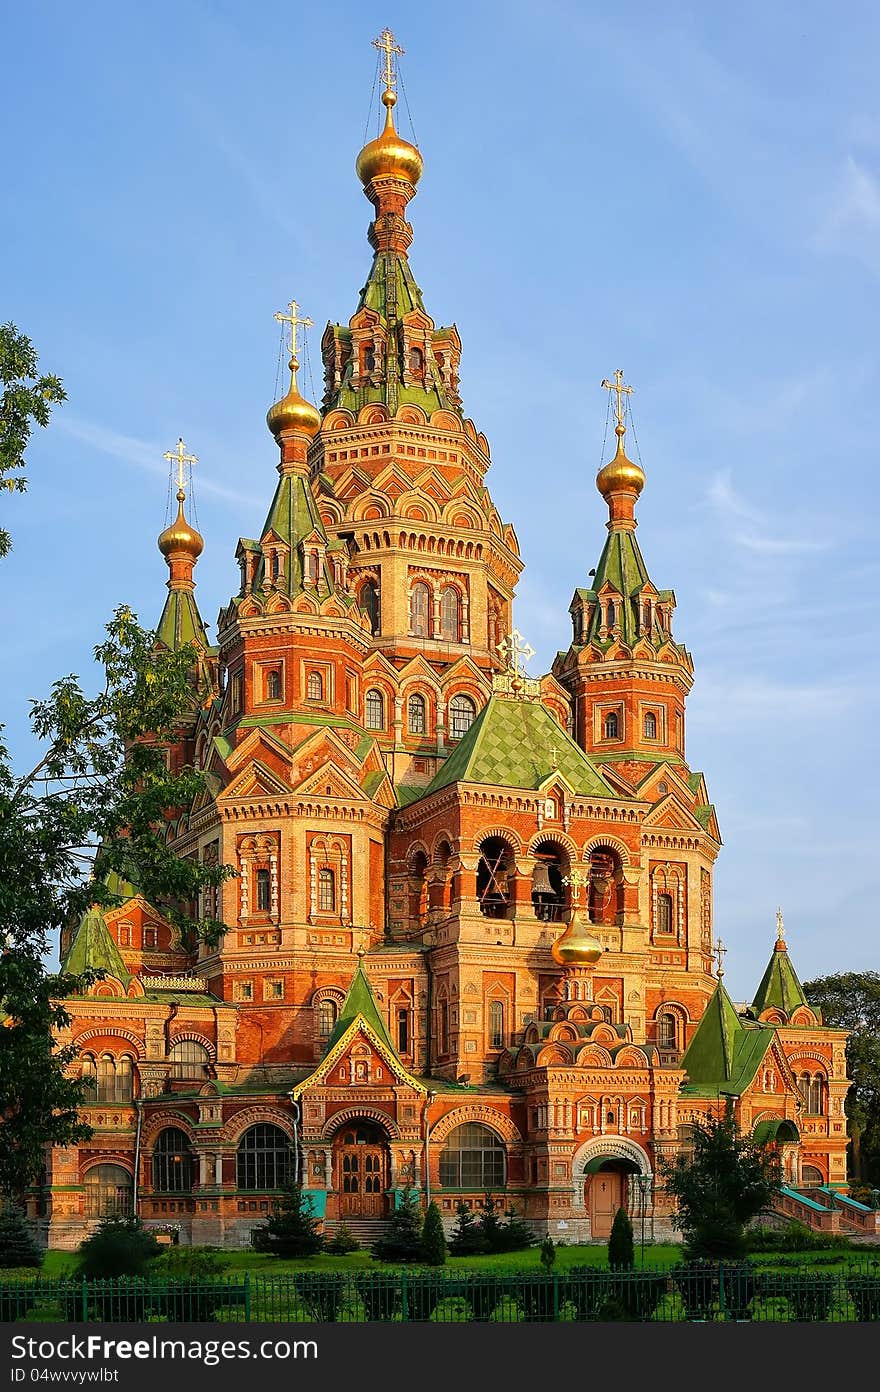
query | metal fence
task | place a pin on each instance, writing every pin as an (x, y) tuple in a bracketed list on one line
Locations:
[(697, 1292)]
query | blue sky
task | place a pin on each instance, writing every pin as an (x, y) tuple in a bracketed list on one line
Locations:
[(687, 191)]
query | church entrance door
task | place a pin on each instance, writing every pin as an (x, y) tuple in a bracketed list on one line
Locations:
[(360, 1158), (604, 1198)]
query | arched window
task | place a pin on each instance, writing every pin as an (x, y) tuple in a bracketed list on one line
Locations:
[(474, 1157), (612, 725), (264, 891), (493, 877), (416, 361), (612, 614), (667, 1030), (650, 725), (188, 1060), (368, 360), (664, 913), (370, 603), (496, 1024), (462, 713), (315, 687), (416, 714), (450, 617), (113, 1079), (419, 610), (813, 1089), (173, 1162), (264, 1158), (443, 1026), (273, 686), (108, 1192), (375, 709), (327, 1013), (90, 1078), (326, 890), (124, 1079)]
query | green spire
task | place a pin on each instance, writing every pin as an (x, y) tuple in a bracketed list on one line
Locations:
[(93, 947), (293, 519), (725, 1051), (360, 1001), (181, 622), (780, 988)]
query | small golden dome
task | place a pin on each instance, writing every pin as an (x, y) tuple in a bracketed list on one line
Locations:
[(180, 536), (576, 947), (293, 412), (389, 156), (620, 473)]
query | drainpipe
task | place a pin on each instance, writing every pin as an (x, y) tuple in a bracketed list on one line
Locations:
[(137, 1154), (294, 1106)]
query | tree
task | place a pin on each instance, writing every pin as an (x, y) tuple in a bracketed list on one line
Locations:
[(89, 816), (402, 1241), (718, 1188), (621, 1253), (548, 1253), (466, 1239), (117, 1247), (433, 1237), (25, 401), (851, 1001), (498, 1236), (18, 1246), (292, 1230)]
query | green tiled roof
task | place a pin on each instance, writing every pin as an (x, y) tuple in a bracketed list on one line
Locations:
[(518, 744), (779, 988), (725, 1052), (293, 515), (93, 947), (360, 1001), (181, 622)]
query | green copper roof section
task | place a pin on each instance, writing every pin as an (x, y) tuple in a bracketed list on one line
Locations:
[(293, 516), (779, 988), (181, 622), (725, 1052), (360, 1001), (93, 947), (518, 744)]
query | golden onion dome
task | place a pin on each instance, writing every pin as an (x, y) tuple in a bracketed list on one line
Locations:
[(180, 536), (389, 156), (620, 473), (293, 412), (577, 946)]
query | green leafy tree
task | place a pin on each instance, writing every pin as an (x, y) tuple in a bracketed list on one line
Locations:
[(117, 1247), (402, 1240), (621, 1252), (466, 1238), (25, 401), (851, 1001), (433, 1237), (293, 1229), (100, 788), (720, 1186), (18, 1246)]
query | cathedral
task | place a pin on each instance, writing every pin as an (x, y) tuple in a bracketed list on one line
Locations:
[(469, 942)]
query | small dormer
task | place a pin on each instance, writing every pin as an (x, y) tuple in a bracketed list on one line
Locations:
[(247, 553), (313, 549), (610, 605), (275, 554), (647, 617), (582, 609)]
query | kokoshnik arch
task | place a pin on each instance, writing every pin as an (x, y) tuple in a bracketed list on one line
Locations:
[(470, 941)]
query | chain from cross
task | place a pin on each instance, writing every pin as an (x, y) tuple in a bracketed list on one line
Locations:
[(620, 390), (720, 953), (516, 652), (181, 459), (294, 320), (386, 42), (780, 925)]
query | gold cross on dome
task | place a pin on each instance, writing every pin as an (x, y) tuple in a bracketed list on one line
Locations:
[(720, 953), (386, 42), (516, 652), (294, 319), (181, 459), (576, 879), (620, 391)]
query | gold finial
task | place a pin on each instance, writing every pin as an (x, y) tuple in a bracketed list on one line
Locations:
[(720, 953), (293, 412), (386, 42), (294, 319), (620, 475), (620, 390), (577, 880), (181, 459)]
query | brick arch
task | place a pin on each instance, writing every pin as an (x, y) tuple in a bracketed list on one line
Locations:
[(110, 1158), (160, 1121), (561, 838), (596, 843), (351, 1115), (413, 848), (496, 1121), (506, 833), (112, 1031), (253, 1116), (806, 1055), (594, 1056), (450, 840), (196, 1039), (612, 1148)]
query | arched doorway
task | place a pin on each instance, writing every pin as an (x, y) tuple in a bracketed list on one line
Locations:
[(606, 1192), (360, 1170)]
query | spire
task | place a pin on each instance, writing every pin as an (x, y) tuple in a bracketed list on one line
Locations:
[(389, 167), (725, 1051), (181, 545), (93, 948), (780, 988), (360, 1001)]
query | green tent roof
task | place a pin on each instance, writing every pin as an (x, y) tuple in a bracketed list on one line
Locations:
[(518, 744), (93, 947), (779, 988), (360, 1001), (181, 622), (726, 1051)]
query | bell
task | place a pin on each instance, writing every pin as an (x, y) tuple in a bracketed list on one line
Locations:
[(541, 880)]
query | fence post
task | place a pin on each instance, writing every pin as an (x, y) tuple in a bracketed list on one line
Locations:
[(404, 1302), (247, 1297), (85, 1301), (555, 1295), (722, 1308)]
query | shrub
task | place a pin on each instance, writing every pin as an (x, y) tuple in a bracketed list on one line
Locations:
[(343, 1241), (433, 1238), (621, 1255), (292, 1230), (117, 1247), (466, 1238), (548, 1252), (190, 1263), (498, 1236), (18, 1246), (402, 1241)]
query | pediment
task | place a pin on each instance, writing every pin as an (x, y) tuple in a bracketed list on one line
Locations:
[(256, 781), (272, 751), (670, 812), (359, 1058), (329, 780), (664, 773)]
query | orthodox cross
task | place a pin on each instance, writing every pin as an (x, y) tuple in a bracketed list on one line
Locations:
[(576, 879), (386, 41), (517, 653), (294, 320), (780, 926), (720, 953), (620, 391), (181, 459)]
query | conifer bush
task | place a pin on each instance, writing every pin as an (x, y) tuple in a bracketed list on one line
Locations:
[(433, 1237), (466, 1239), (292, 1230), (18, 1246), (402, 1241), (621, 1253), (117, 1247)]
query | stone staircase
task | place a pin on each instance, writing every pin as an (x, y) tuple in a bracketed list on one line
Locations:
[(823, 1209), (365, 1230)]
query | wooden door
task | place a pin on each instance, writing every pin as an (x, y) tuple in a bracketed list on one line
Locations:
[(604, 1199), (361, 1175)]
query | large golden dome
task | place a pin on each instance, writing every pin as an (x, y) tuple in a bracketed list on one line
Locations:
[(577, 946), (293, 412), (180, 536), (389, 156), (620, 473)]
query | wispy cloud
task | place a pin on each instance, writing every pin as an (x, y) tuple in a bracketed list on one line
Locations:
[(140, 454), (748, 528), (726, 700), (853, 221)]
